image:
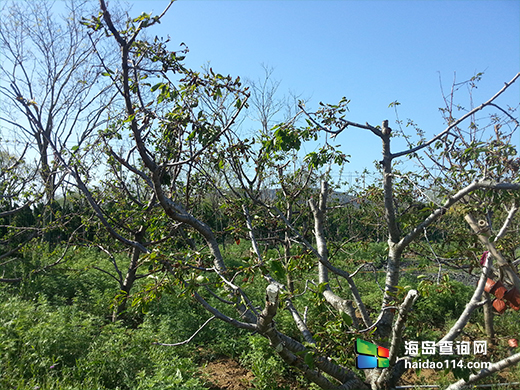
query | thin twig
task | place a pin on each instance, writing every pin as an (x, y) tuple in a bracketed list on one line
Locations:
[(188, 340), (457, 122), (434, 256), (507, 222)]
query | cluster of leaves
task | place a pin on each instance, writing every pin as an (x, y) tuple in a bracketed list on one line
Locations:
[(56, 333)]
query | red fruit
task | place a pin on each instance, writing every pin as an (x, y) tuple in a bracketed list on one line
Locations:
[(513, 297), (499, 290), (513, 343), (499, 305), (490, 284)]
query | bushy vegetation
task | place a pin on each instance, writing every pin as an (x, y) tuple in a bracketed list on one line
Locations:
[(56, 331)]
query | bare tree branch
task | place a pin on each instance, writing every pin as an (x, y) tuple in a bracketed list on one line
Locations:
[(397, 334), (474, 302), (507, 222), (490, 246), (190, 338), (457, 122), (485, 372)]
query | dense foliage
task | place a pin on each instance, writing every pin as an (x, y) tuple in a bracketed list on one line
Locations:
[(56, 331)]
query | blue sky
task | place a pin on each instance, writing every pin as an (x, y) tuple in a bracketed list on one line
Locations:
[(372, 52)]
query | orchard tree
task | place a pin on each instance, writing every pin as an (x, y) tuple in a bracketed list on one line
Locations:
[(132, 209), (54, 101), (51, 92), (493, 174), (170, 151), (16, 179), (175, 135)]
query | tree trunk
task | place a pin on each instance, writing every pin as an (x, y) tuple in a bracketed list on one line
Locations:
[(131, 274), (384, 328), (503, 264), (488, 319), (340, 304)]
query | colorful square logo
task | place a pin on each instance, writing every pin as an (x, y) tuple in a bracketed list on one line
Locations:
[(371, 355)]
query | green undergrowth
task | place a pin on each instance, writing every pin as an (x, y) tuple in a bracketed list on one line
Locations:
[(56, 332)]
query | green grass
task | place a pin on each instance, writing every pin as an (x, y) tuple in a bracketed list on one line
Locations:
[(56, 334)]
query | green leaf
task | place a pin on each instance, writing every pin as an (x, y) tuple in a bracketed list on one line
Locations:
[(277, 269), (346, 318), (156, 86), (322, 287), (309, 360), (129, 119)]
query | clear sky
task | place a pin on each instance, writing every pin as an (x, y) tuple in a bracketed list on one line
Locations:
[(372, 52)]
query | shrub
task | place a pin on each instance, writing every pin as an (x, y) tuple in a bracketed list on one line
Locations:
[(37, 341), (267, 368), (440, 302)]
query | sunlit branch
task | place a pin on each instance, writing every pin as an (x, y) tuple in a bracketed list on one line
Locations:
[(456, 122), (510, 215), (190, 338), (474, 302)]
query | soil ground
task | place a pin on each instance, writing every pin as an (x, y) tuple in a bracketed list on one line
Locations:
[(225, 373)]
